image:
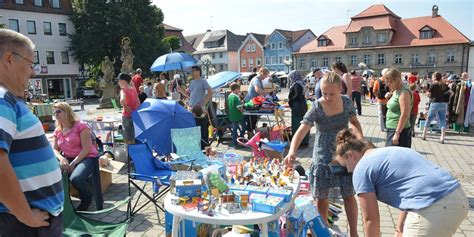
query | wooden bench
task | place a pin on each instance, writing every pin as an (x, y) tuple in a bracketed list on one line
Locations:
[(77, 102)]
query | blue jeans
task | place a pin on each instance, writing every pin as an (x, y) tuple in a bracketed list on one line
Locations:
[(10, 226), (356, 97), (235, 128), (440, 110), (80, 178)]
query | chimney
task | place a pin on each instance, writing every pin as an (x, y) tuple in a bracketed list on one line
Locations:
[(434, 11)]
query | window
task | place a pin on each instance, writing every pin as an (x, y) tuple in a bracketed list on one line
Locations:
[(54, 3), (213, 55), (253, 48), (13, 25), (302, 63), (250, 62), (367, 59), (19, 2), (65, 57), (398, 58), (325, 61), (38, 3), (426, 34), (353, 59), (381, 58), (314, 63), (450, 58), (415, 58), (267, 60), (272, 46), (63, 31), (381, 38), (247, 48), (287, 58), (244, 62), (431, 57), (222, 67), (367, 39), (221, 55), (47, 28), (50, 57), (280, 59), (259, 62), (322, 43), (338, 59), (353, 40), (31, 26), (280, 45), (273, 60), (36, 59)]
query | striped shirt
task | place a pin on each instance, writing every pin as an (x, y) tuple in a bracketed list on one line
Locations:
[(356, 83), (30, 154)]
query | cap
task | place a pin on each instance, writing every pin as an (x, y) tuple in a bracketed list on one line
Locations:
[(124, 76)]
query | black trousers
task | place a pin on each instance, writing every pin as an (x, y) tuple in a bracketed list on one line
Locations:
[(10, 226), (404, 140), (356, 97)]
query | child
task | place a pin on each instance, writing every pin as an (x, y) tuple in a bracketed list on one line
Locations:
[(414, 112), (142, 96), (236, 116)]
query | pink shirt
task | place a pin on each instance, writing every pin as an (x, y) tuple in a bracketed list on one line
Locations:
[(131, 100), (70, 143)]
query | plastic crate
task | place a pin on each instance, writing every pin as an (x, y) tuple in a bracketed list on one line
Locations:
[(280, 192), (267, 205), (256, 189)]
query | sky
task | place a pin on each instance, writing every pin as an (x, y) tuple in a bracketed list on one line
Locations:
[(263, 16)]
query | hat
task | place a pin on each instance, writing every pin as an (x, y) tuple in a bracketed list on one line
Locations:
[(269, 87), (176, 76)]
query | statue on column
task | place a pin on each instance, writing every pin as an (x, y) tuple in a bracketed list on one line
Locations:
[(108, 70), (127, 56), (107, 83)]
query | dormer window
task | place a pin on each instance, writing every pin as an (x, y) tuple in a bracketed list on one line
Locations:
[(353, 40), (367, 39), (426, 32), (381, 38), (323, 41)]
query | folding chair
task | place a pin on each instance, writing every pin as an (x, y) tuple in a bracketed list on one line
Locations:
[(149, 169), (75, 224), (219, 122), (188, 145), (116, 105)]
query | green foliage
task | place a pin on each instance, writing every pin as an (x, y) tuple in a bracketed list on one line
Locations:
[(91, 83), (100, 27), (172, 42)]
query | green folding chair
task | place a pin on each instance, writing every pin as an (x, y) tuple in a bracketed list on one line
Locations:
[(115, 104), (75, 224)]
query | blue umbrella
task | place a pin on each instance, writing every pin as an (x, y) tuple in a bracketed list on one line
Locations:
[(155, 118), (222, 78), (173, 61)]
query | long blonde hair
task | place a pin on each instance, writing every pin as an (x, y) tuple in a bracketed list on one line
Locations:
[(71, 117)]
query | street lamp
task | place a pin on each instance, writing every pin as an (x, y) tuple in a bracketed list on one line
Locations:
[(206, 62)]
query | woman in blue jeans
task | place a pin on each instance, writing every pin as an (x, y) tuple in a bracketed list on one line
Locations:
[(439, 95), (74, 149)]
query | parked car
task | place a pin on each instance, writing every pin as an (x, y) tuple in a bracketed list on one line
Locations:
[(86, 92)]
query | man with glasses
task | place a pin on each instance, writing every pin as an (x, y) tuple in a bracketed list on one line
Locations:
[(31, 193)]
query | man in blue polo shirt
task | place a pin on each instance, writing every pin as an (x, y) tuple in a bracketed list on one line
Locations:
[(31, 192)]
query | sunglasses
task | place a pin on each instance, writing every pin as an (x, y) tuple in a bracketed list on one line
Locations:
[(30, 63), (57, 111)]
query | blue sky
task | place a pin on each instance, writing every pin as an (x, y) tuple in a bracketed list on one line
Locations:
[(263, 16)]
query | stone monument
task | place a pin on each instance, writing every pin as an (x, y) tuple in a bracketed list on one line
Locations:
[(107, 83), (127, 56)]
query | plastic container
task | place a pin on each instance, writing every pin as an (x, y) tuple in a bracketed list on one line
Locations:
[(256, 189), (280, 192), (267, 205)]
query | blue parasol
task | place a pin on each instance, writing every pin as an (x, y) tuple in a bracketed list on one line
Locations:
[(155, 118), (173, 61), (222, 78)]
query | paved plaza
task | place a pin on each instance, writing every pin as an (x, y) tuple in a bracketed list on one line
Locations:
[(456, 155)]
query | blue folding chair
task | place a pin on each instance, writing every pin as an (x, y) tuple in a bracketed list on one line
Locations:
[(188, 145), (149, 169)]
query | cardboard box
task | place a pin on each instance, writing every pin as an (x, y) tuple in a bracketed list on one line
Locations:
[(105, 176)]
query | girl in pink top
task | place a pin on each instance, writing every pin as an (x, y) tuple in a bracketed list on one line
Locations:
[(75, 151), (129, 101)]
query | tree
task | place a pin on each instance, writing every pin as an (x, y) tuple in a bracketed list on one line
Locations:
[(100, 26), (172, 42)]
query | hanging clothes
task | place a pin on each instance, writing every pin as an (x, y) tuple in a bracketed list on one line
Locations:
[(460, 107), (469, 119)]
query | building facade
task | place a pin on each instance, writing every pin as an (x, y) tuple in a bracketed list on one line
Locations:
[(173, 31), (250, 53), (47, 24), (221, 46), (379, 38), (280, 44)]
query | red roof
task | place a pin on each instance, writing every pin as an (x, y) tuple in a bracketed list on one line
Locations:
[(168, 27), (378, 23), (406, 34), (375, 10)]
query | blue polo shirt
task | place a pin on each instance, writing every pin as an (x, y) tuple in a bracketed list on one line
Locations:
[(402, 178), (30, 154)]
